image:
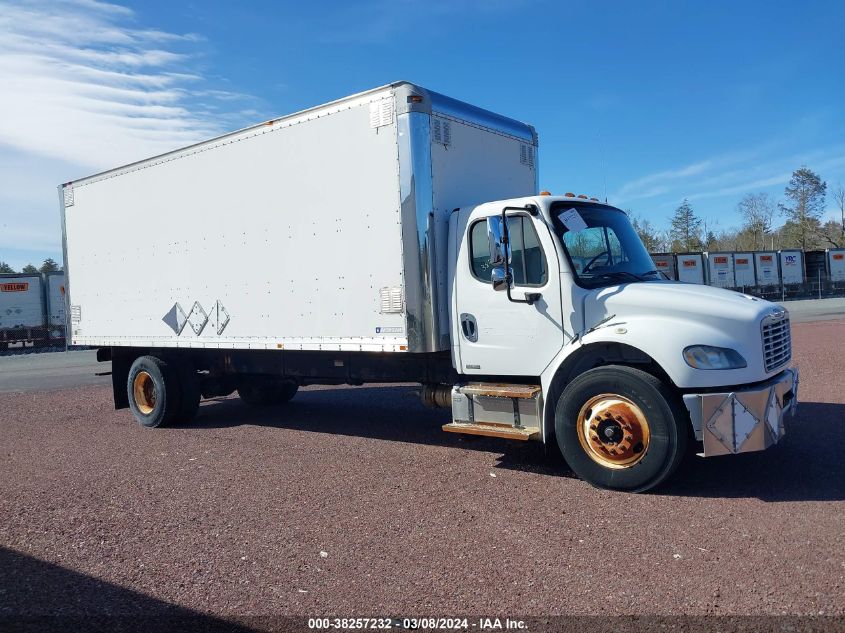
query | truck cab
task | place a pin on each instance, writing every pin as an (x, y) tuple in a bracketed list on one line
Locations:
[(630, 368)]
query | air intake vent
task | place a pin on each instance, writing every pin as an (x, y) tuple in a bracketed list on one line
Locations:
[(526, 155), (381, 112), (68, 191), (441, 132), (392, 300)]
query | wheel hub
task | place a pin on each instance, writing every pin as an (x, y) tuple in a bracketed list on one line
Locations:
[(613, 431), (144, 392)]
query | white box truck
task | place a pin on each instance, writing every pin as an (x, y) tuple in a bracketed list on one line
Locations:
[(398, 235)]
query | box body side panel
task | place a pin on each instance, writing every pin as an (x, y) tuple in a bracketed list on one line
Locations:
[(281, 239)]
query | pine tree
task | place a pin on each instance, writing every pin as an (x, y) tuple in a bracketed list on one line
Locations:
[(49, 266), (686, 228), (805, 196)]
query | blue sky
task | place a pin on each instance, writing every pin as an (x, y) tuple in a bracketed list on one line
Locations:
[(646, 103)]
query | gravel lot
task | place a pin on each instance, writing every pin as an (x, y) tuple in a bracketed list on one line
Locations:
[(354, 502)]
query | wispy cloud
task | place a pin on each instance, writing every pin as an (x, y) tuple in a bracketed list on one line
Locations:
[(729, 175), (85, 87)]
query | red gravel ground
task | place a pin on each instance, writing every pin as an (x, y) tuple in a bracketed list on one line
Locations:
[(354, 502)]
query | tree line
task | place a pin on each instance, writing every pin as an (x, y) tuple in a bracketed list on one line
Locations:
[(802, 207), (49, 266)]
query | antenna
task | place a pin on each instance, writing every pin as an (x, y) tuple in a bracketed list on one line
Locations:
[(601, 160)]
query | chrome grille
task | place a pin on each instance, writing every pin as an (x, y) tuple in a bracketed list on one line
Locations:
[(777, 341)]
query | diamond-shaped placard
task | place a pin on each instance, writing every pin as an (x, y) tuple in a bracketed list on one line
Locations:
[(222, 317), (175, 318), (197, 318), (744, 424), (773, 414)]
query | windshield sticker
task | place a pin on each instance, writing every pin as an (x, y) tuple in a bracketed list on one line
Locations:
[(573, 221)]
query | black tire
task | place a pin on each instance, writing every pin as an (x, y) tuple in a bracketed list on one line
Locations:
[(264, 392), (667, 421), (156, 401), (190, 392)]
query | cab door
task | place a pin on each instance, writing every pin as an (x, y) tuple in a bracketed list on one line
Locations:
[(497, 336)]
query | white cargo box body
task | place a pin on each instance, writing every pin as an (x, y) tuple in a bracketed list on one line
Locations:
[(690, 268), (21, 301), (720, 269), (791, 267), (322, 230), (836, 264), (766, 268), (744, 270)]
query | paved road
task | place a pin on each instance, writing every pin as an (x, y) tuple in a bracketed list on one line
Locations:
[(354, 502), (810, 310), (51, 370)]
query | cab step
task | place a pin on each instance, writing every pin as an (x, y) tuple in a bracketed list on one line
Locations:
[(504, 431), (497, 390), (508, 411)]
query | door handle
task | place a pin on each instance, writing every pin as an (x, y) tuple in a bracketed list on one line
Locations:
[(470, 327)]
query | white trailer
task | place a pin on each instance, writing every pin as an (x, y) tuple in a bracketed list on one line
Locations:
[(836, 264), (21, 308), (743, 270), (720, 269), (766, 268), (665, 263), (690, 268), (791, 267), (54, 295), (397, 235)]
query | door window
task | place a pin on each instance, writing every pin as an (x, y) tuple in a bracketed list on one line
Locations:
[(527, 263)]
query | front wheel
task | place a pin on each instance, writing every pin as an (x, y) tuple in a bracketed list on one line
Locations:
[(620, 428)]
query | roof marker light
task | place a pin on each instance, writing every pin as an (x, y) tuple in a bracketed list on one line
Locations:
[(582, 196), (545, 193), (569, 194)]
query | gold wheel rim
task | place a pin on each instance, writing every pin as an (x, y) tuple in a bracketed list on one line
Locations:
[(144, 392), (613, 431)]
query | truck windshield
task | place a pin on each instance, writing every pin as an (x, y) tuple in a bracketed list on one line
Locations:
[(602, 246)]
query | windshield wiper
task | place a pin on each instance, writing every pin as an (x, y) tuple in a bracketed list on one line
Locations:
[(656, 272), (618, 273)]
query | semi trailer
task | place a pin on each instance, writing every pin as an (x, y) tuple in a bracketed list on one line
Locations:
[(399, 235), (32, 309)]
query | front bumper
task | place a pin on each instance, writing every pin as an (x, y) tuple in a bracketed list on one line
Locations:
[(744, 420)]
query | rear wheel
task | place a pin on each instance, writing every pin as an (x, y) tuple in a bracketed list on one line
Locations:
[(621, 428), (153, 390), (265, 391)]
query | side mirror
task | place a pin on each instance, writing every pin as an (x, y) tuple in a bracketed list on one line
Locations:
[(499, 278), (495, 234)]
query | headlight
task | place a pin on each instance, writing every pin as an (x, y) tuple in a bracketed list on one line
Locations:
[(707, 357)]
